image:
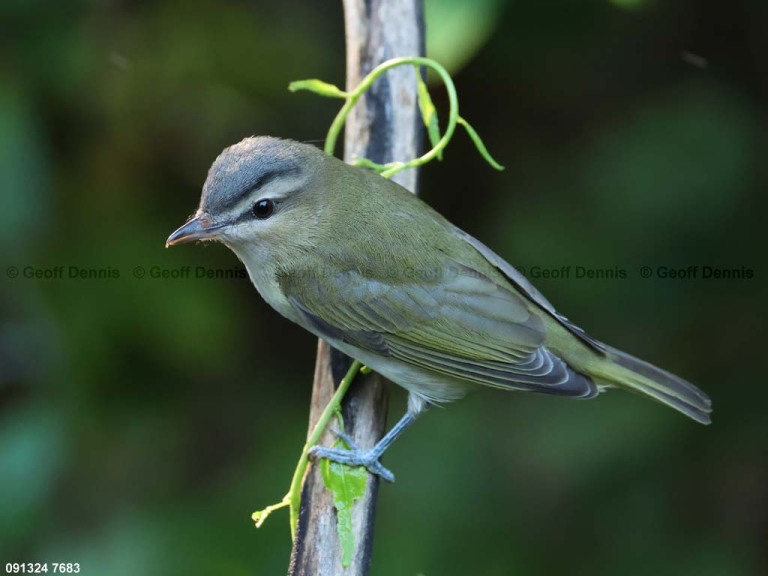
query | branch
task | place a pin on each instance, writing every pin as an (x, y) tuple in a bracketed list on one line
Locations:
[(384, 126)]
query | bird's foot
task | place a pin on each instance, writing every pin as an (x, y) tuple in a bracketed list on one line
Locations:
[(355, 456)]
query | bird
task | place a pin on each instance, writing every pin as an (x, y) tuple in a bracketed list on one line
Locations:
[(359, 261)]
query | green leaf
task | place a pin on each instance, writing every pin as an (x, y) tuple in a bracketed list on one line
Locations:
[(318, 87), (429, 114), (479, 144), (347, 484)]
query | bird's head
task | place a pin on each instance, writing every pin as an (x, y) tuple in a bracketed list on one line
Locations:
[(262, 192)]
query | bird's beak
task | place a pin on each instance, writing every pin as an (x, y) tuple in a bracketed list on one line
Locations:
[(197, 228)]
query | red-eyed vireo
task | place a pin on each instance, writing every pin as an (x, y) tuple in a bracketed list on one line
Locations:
[(364, 264)]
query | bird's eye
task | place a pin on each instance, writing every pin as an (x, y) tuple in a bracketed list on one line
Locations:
[(263, 208)]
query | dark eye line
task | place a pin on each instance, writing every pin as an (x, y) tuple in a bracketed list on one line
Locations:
[(254, 187)]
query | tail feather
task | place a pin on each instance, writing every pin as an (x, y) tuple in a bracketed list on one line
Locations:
[(646, 379)]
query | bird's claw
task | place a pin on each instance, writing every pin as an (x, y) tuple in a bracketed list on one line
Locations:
[(347, 438), (353, 457)]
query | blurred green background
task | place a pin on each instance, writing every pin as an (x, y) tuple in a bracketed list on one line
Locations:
[(142, 420)]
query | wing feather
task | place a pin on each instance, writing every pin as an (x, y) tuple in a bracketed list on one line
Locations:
[(522, 283), (461, 325)]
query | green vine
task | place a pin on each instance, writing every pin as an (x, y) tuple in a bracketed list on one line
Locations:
[(428, 112), (293, 498), (439, 142)]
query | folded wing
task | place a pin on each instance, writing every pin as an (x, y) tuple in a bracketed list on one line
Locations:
[(459, 324)]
